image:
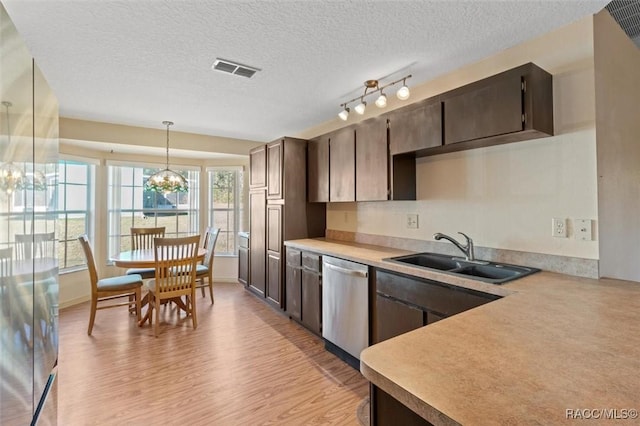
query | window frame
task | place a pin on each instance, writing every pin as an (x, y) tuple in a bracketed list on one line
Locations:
[(238, 205), (118, 242)]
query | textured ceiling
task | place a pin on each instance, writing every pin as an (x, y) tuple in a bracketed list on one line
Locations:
[(140, 62)]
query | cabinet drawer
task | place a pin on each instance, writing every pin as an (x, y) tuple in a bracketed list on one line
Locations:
[(312, 261), (293, 257), (429, 295)]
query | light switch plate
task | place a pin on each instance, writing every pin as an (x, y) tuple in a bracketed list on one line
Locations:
[(412, 221), (582, 229)]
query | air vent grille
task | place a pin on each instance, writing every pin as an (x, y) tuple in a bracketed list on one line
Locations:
[(627, 14), (235, 68)]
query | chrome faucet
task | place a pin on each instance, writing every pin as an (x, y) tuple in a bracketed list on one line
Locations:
[(466, 249)]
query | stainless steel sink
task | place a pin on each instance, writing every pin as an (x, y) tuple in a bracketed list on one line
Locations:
[(429, 260), (491, 272)]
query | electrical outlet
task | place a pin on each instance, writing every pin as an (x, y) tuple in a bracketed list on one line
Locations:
[(559, 227), (412, 221), (582, 229)]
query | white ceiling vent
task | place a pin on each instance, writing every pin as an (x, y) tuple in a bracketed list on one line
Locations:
[(230, 67)]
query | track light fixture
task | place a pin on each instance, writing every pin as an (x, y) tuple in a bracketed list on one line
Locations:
[(371, 87)]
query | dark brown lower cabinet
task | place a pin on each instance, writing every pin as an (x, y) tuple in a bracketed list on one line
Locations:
[(405, 303), (394, 318), (386, 410), (273, 278), (304, 288), (312, 300), (293, 284)]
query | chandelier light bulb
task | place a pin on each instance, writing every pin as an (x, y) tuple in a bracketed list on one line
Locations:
[(403, 93), (381, 102), (361, 107), (344, 114)]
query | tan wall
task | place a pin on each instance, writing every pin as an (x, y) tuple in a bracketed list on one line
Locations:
[(504, 196), (617, 68), (74, 286)]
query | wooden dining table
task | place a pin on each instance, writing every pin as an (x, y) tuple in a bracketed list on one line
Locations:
[(145, 258)]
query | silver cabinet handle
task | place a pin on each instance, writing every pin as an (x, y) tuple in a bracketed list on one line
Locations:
[(347, 271)]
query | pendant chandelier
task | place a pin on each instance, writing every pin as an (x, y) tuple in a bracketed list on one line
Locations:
[(167, 180), (12, 177)]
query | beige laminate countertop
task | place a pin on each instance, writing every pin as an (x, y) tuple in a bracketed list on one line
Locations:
[(553, 345)]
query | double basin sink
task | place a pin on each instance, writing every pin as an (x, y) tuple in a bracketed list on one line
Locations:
[(490, 272)]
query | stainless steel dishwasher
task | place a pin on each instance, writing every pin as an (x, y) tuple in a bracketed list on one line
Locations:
[(345, 308)]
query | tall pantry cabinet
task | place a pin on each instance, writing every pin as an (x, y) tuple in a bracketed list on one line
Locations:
[(279, 211)]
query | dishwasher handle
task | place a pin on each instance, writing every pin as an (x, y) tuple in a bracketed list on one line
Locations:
[(352, 272)]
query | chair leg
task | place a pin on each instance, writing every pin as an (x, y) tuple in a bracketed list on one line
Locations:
[(210, 282), (194, 319), (156, 326), (138, 297), (92, 314)]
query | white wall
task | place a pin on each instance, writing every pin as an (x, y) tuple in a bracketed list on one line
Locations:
[(505, 196), (617, 62)]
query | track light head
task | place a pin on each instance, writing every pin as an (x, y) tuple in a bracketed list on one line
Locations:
[(361, 107), (403, 93), (381, 102), (344, 114)]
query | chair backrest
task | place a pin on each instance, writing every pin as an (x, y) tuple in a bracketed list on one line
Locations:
[(211, 245), (91, 263), (29, 246), (142, 238), (6, 262), (176, 260)]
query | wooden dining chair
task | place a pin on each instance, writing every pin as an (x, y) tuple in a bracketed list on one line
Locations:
[(6, 277), (175, 277), (38, 246), (106, 289), (204, 271), (142, 239)]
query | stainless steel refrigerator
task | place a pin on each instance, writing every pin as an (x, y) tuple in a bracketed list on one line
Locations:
[(28, 245)]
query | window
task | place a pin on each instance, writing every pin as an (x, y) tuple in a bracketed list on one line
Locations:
[(74, 210), (130, 205), (225, 208)]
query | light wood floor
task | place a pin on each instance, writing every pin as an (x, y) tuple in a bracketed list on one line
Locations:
[(245, 364)]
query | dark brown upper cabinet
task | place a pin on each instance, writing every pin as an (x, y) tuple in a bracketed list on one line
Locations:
[(274, 154), (258, 167), (508, 107), (372, 160), (318, 170), (342, 161), (416, 127)]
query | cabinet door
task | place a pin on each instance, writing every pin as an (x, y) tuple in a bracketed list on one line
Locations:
[(293, 281), (274, 250), (342, 165), (243, 265), (372, 160), (386, 410), (312, 300), (275, 152), (293, 292), (274, 266), (258, 167), (257, 241), (318, 170), (415, 128), (493, 108), (394, 318)]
